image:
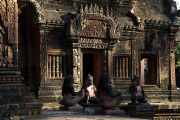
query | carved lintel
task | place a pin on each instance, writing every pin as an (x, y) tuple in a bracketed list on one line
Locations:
[(93, 43)]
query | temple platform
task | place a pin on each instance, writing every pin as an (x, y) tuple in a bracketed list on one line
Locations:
[(162, 111)]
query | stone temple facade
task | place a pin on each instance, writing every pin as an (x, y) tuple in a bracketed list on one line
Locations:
[(42, 41)]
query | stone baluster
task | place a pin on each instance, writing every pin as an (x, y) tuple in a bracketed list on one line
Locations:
[(64, 59), (117, 66), (114, 66), (49, 66), (127, 66), (123, 67), (53, 67), (101, 10), (57, 66), (60, 63), (120, 73)]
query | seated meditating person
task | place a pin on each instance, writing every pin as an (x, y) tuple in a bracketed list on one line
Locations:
[(91, 91), (107, 99), (70, 97), (137, 92)]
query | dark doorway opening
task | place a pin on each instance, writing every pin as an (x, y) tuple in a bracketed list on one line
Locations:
[(149, 69), (88, 65)]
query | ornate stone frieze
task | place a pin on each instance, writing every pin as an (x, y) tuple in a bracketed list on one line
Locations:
[(93, 43)]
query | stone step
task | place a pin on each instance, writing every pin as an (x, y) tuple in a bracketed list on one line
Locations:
[(150, 87), (118, 81), (42, 93), (52, 84), (49, 99), (50, 88)]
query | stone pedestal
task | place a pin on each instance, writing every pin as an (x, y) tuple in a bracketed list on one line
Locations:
[(144, 110), (112, 112), (73, 108)]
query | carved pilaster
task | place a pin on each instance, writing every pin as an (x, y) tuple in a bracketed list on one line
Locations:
[(172, 39), (16, 37), (104, 61), (76, 68), (110, 62), (172, 65), (43, 54)]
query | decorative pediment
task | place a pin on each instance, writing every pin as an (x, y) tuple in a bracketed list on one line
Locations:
[(93, 20), (94, 28)]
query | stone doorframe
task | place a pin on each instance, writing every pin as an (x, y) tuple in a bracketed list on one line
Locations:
[(76, 52), (92, 28), (157, 53)]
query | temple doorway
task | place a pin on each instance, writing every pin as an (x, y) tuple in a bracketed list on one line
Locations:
[(91, 65), (148, 69)]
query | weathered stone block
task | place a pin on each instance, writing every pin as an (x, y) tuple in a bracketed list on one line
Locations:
[(112, 112), (141, 110)]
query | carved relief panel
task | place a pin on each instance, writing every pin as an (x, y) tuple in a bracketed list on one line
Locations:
[(8, 42), (94, 28)]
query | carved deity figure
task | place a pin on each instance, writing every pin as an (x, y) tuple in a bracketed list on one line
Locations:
[(70, 97), (137, 92), (107, 99), (90, 91)]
